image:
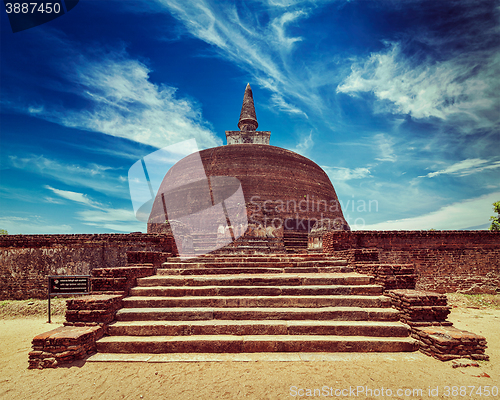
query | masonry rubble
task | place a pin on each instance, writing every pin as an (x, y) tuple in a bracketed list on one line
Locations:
[(426, 312)]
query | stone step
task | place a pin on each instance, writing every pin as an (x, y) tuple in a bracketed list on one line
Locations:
[(256, 301), (240, 313), (321, 290), (106, 284), (252, 344), (291, 233), (132, 270), (276, 327), (258, 280), (255, 264), (295, 239), (229, 258), (205, 235), (242, 270)]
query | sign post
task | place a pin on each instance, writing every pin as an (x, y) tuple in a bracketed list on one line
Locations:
[(68, 284)]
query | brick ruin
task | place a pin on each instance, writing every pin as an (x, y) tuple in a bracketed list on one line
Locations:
[(388, 314), (288, 283), (26, 261), (444, 261)]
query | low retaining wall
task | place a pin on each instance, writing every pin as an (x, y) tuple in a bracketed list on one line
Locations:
[(27, 260), (445, 261), (99, 309), (426, 313), (390, 276), (63, 345)]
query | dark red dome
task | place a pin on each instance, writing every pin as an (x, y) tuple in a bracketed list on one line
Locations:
[(280, 188)]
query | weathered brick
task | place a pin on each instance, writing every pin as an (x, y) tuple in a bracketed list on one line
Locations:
[(445, 261)]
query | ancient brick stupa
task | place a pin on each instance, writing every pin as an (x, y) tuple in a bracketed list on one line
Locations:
[(283, 191)]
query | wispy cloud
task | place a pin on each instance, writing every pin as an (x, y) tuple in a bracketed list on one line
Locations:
[(262, 49), (471, 213), (32, 225), (75, 196), (279, 27), (385, 146), (125, 103), (279, 103), (100, 215), (94, 176), (465, 167), (337, 174), (120, 100), (305, 145), (121, 220), (464, 88)]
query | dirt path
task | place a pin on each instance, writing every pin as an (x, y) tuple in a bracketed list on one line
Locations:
[(247, 380)]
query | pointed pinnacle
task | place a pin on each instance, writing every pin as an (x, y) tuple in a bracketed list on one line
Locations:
[(248, 119)]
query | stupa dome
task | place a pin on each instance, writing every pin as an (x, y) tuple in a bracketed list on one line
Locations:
[(280, 189)]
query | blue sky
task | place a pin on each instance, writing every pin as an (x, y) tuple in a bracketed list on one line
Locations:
[(398, 101)]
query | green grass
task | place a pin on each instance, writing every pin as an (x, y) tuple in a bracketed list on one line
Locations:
[(10, 309), (484, 300), (480, 301)]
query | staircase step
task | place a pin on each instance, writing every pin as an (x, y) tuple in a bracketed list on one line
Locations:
[(264, 258), (257, 280), (321, 290), (254, 264), (244, 313), (260, 270), (266, 327), (252, 344), (256, 301), (236, 303)]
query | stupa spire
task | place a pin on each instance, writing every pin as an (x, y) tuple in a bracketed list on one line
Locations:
[(248, 118), (248, 133)]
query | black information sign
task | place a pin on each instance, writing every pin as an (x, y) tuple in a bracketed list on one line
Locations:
[(68, 284)]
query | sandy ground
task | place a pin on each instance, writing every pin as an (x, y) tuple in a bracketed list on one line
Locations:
[(250, 380)]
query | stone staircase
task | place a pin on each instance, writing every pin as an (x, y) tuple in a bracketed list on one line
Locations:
[(295, 241), (249, 304), (204, 243)]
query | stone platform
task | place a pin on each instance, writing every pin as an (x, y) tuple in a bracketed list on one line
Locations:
[(307, 303)]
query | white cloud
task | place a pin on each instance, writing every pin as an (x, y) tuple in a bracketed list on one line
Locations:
[(304, 145), (279, 27), (345, 174), (32, 225), (385, 145), (262, 50), (292, 3), (457, 216), (74, 196), (121, 100), (94, 176), (462, 88), (278, 102), (121, 220), (126, 104), (466, 167)]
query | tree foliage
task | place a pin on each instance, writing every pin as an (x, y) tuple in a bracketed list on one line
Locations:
[(495, 224), (3, 232)]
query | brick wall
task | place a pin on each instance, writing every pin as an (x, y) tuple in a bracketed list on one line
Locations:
[(27, 260), (445, 261)]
